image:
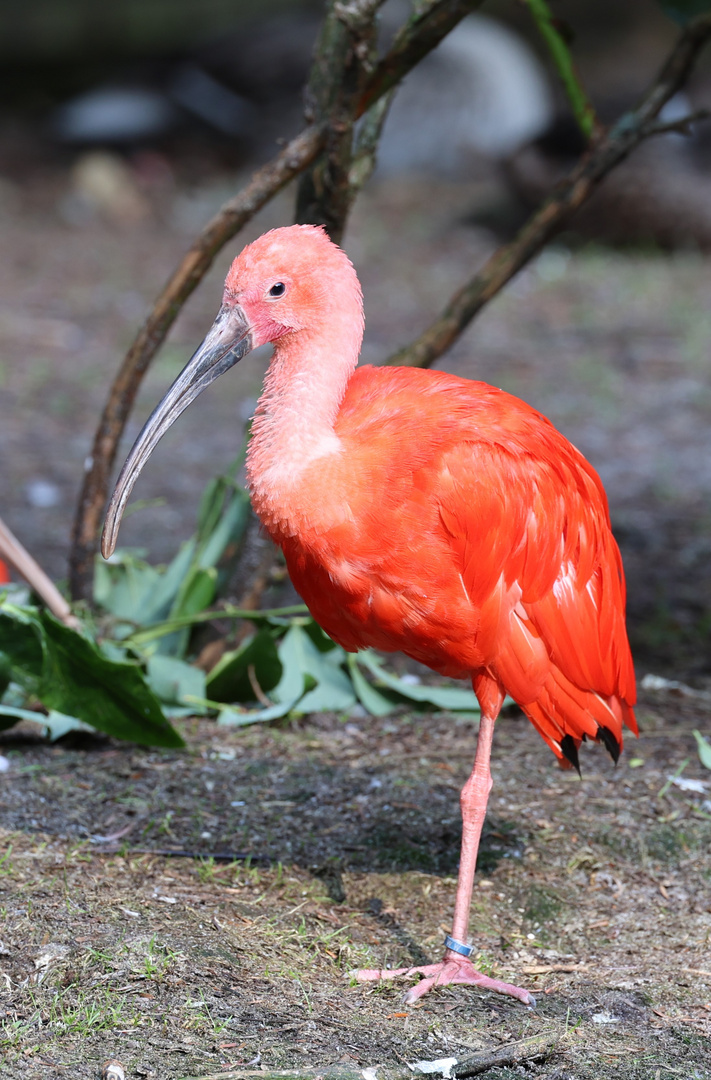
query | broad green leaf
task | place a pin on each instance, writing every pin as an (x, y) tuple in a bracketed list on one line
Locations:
[(704, 748), (444, 697), (174, 680), (372, 699), (9, 716), (198, 593), (229, 529), (20, 641), (300, 657), (131, 589), (124, 586), (211, 503), (113, 697), (68, 673), (683, 11), (231, 718), (57, 724), (163, 597), (229, 680), (5, 672), (321, 639)]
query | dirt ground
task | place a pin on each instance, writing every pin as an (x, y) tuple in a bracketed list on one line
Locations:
[(594, 894)]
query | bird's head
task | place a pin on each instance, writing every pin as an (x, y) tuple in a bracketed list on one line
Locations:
[(290, 281)]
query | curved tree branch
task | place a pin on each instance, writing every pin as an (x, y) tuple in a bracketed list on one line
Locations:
[(429, 25), (613, 146), (343, 57)]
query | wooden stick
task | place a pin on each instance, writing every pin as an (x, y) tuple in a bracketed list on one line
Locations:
[(13, 552)]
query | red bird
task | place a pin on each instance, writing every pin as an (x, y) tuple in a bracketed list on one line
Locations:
[(424, 513)]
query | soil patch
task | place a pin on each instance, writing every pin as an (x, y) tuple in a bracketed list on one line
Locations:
[(595, 894)]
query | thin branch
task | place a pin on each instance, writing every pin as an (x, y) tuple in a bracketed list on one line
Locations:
[(13, 552), (344, 54), (580, 103), (366, 150), (629, 131), (265, 183), (429, 25), (682, 126)]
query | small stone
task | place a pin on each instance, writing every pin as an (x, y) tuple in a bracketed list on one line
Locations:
[(113, 1070)]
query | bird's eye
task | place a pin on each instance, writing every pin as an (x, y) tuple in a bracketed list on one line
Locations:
[(278, 290)]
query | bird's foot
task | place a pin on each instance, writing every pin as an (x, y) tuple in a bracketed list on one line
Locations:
[(449, 970)]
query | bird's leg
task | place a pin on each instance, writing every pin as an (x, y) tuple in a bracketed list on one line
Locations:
[(456, 967)]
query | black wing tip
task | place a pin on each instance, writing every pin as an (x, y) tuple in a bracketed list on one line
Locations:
[(610, 742), (570, 752)]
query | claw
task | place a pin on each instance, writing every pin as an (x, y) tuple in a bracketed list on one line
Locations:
[(444, 973)]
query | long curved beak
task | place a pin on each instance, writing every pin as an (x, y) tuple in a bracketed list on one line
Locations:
[(227, 342)]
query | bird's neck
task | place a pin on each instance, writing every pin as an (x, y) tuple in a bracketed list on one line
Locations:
[(294, 424)]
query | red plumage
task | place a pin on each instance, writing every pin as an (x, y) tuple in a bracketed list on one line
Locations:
[(478, 542)]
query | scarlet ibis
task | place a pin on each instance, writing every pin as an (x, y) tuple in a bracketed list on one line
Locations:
[(419, 512)]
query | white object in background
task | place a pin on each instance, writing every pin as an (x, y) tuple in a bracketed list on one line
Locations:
[(481, 91)]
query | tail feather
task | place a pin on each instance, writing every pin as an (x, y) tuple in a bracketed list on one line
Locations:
[(564, 715)]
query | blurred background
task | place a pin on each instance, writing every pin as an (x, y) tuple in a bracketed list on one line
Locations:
[(123, 128)]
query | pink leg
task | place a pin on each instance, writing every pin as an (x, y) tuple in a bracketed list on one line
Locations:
[(455, 967)]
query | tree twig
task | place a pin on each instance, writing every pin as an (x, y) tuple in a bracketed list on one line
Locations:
[(423, 31), (682, 126), (231, 217), (13, 552), (629, 131), (560, 53)]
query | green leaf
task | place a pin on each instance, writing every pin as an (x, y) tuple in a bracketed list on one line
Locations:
[(197, 593), (683, 11), (454, 698), (111, 696), (9, 716), (233, 718), (229, 529), (123, 586), (57, 724), (20, 642), (300, 657), (174, 680), (372, 699), (229, 680), (704, 749), (5, 672), (69, 674)]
